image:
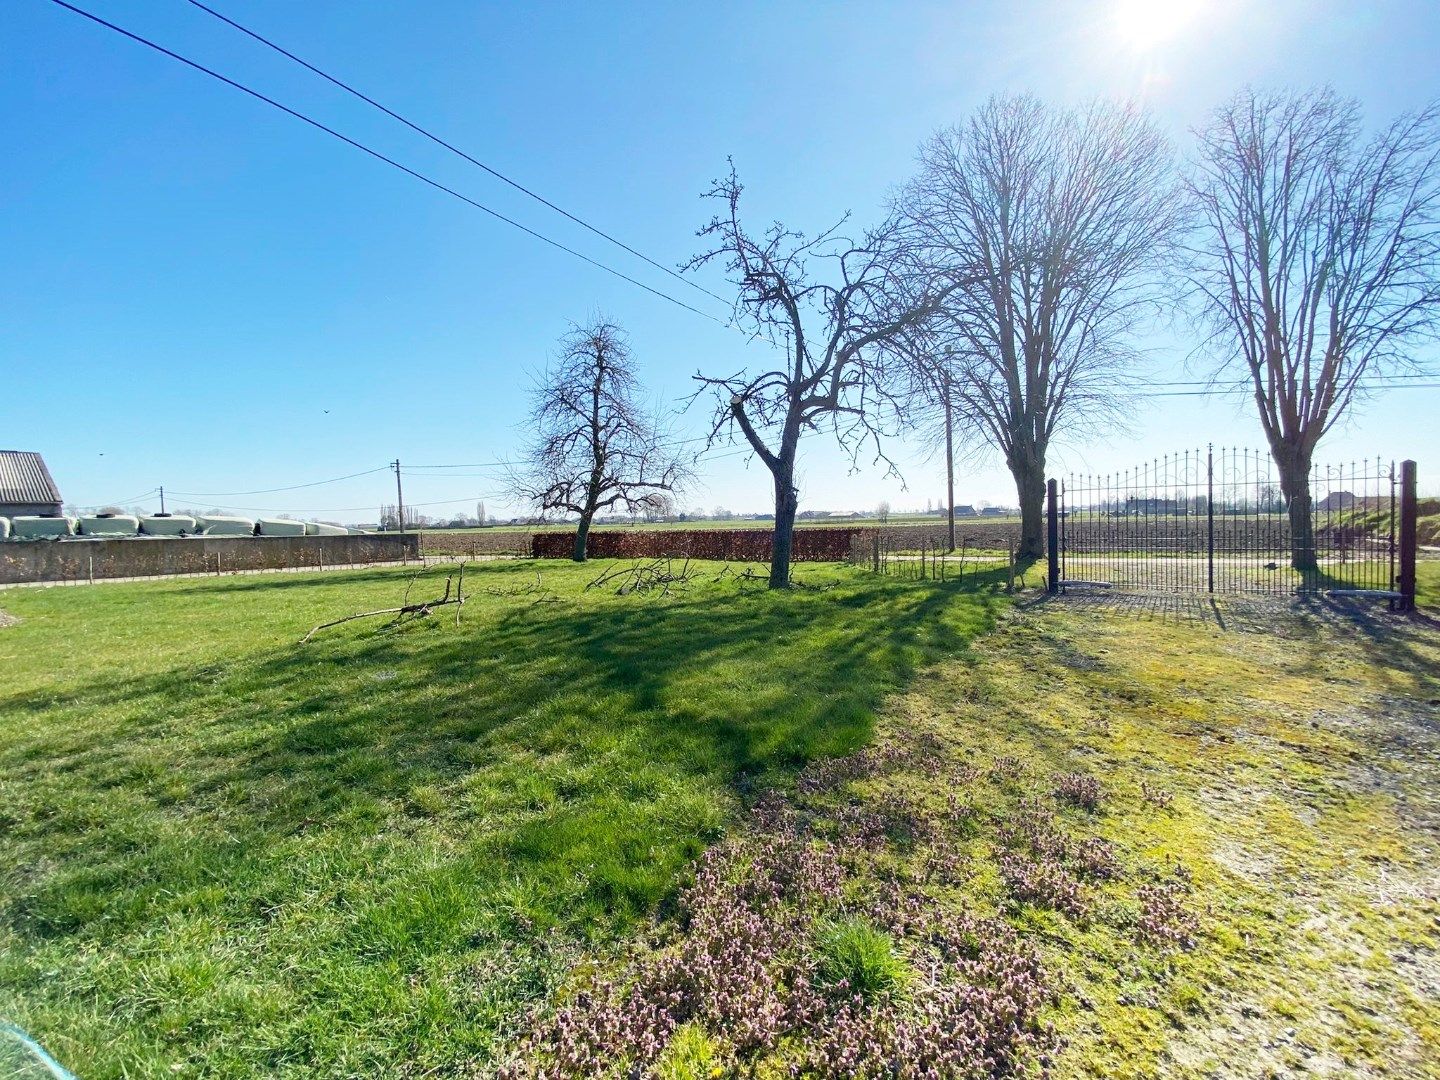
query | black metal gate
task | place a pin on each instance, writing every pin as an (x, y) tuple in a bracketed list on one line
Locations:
[(1217, 521)]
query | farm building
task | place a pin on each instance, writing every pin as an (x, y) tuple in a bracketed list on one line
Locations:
[(26, 486)]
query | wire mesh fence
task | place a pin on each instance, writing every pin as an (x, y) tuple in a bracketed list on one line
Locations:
[(1220, 520), (922, 553)]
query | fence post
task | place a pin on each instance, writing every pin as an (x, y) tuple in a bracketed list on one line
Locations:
[(1052, 535), (1210, 515), (1408, 519)]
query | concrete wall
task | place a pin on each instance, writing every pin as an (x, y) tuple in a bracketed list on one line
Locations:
[(79, 559), (12, 509)]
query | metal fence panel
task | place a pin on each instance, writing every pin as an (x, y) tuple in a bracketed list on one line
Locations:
[(1216, 520)]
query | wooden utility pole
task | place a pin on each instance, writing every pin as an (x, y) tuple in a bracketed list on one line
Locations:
[(399, 495), (162, 500), (949, 462)]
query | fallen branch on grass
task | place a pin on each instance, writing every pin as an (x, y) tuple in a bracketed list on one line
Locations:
[(407, 611), (542, 595), (641, 577)]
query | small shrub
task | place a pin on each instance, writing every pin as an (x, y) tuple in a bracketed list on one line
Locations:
[(858, 959), (1156, 796), (1095, 858), (1033, 829), (1042, 882), (974, 1015), (1165, 916), (1078, 789), (1006, 767), (757, 954), (963, 815), (831, 773)]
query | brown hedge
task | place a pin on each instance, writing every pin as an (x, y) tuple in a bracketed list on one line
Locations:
[(490, 542), (737, 545)]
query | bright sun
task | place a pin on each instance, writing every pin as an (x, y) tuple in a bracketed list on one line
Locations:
[(1146, 24)]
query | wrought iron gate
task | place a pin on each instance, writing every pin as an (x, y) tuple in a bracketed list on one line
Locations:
[(1217, 521)]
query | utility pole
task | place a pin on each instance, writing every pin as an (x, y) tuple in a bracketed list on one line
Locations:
[(949, 461), (399, 495), (162, 500)]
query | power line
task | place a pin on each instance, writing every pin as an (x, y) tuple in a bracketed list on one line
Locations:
[(115, 502), (380, 157), (1247, 390), (452, 148), (268, 491), (494, 464), (470, 465), (1372, 380), (349, 509)]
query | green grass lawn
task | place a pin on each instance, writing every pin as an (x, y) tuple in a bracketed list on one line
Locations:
[(1427, 584), (226, 854), (1144, 836)]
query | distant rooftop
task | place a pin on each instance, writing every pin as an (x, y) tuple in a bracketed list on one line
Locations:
[(26, 483)]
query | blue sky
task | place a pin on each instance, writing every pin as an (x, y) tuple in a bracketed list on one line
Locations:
[(200, 292)]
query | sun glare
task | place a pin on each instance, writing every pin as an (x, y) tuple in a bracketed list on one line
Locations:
[(1147, 24)]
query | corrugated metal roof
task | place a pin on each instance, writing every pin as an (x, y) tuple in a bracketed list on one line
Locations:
[(25, 479)]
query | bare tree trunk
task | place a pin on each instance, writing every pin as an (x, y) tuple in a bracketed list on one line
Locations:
[(1030, 487), (787, 502), (949, 467), (1294, 466), (582, 533)]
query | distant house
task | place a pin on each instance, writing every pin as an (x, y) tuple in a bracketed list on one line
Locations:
[(964, 510), (26, 486), (1338, 500), (993, 511)]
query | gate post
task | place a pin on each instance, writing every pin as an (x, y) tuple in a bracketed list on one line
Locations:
[(1210, 513), (1052, 536), (1408, 516)]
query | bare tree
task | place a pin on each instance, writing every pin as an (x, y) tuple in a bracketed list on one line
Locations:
[(1317, 262), (835, 337), (594, 446), (1065, 218)]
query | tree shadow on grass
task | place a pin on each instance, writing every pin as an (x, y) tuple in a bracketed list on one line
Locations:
[(550, 765), (1401, 646)]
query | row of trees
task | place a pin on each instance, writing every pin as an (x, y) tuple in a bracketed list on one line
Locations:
[(1005, 287)]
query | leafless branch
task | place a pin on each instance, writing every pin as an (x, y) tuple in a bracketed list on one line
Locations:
[(1064, 220), (831, 305), (1318, 261), (595, 448), (406, 611)]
